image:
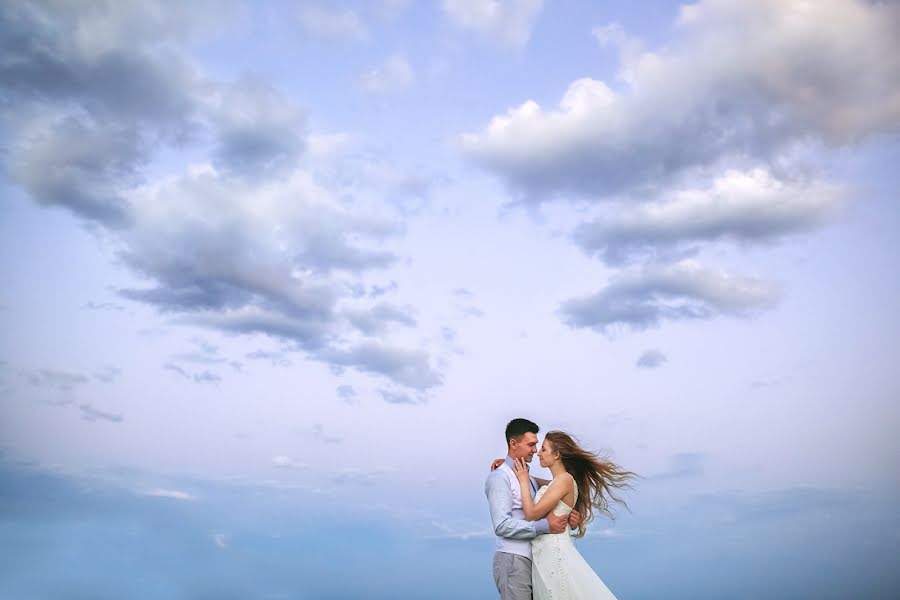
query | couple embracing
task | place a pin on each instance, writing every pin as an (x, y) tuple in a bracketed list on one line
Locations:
[(533, 518)]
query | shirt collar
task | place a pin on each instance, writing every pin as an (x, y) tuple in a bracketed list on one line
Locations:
[(512, 464)]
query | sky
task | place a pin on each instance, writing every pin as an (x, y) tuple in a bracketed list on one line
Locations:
[(276, 275)]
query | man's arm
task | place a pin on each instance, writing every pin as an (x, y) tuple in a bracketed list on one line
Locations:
[(500, 500)]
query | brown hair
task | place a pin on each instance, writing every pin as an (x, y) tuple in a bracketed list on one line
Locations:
[(595, 475)]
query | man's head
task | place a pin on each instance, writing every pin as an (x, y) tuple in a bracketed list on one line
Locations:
[(521, 439)]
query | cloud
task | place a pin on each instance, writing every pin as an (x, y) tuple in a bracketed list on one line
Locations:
[(67, 162), (103, 306), (168, 493), (651, 359), (286, 462), (84, 97), (331, 23), (196, 377), (204, 345), (326, 146), (220, 540), (374, 320), (454, 531), (644, 297), (355, 475), (393, 74), (252, 237), (398, 397), (89, 413), (258, 130), (745, 82), (63, 381), (410, 368), (278, 359), (347, 393), (744, 207), (508, 22), (318, 433)]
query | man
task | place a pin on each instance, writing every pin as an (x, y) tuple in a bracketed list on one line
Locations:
[(512, 560)]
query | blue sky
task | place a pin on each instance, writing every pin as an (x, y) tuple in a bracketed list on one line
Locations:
[(277, 275)]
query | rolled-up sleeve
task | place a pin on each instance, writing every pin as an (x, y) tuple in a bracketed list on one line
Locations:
[(500, 499)]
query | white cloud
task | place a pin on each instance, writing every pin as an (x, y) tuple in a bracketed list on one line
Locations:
[(166, 493), (393, 74), (454, 532), (746, 82), (331, 23), (326, 146), (506, 21), (286, 462)]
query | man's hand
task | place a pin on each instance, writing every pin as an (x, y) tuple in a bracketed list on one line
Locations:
[(497, 462), (574, 519), (557, 523)]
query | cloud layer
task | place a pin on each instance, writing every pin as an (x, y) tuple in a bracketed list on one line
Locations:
[(645, 297), (252, 237), (749, 81), (743, 207)]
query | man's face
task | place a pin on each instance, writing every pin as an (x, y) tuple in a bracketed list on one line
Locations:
[(525, 447)]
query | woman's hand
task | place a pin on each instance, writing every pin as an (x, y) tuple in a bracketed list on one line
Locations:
[(496, 464), (522, 471)]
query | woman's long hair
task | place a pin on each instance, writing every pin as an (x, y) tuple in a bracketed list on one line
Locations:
[(596, 477)]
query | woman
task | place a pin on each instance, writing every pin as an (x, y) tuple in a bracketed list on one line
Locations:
[(581, 481)]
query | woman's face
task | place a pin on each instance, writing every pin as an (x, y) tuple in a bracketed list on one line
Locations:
[(547, 454)]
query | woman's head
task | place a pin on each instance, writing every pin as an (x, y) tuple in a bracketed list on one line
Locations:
[(548, 456), (596, 476)]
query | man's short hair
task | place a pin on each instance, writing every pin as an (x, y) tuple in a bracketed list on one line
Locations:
[(519, 427)]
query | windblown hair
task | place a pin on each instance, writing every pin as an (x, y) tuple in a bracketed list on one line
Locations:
[(596, 477)]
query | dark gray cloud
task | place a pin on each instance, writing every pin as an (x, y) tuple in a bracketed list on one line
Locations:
[(258, 130), (380, 290), (63, 381), (398, 397), (250, 240), (651, 359), (79, 166), (744, 82), (751, 207), (645, 297), (410, 368), (347, 393), (768, 383), (103, 306), (107, 374), (81, 54), (375, 320), (204, 376), (89, 413), (278, 359)]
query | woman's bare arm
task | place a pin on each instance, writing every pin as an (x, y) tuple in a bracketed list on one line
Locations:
[(548, 501)]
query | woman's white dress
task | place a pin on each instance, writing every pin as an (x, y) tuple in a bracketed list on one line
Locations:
[(558, 572)]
